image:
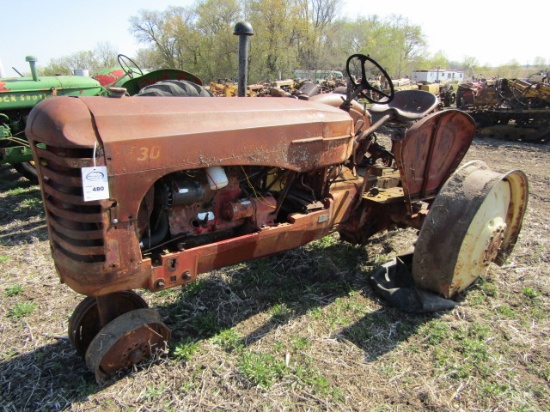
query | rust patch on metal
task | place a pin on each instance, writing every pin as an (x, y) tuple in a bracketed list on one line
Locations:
[(431, 151)]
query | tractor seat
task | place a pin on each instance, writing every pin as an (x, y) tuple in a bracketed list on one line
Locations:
[(407, 105)]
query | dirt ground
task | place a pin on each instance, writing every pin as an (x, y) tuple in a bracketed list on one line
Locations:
[(298, 331)]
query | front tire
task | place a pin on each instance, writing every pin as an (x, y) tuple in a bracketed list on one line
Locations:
[(27, 170)]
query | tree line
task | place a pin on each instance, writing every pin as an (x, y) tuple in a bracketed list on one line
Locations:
[(288, 35)]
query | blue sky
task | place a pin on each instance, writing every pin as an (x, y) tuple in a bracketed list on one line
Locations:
[(494, 34)]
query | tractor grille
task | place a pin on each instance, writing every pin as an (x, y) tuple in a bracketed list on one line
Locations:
[(76, 227)]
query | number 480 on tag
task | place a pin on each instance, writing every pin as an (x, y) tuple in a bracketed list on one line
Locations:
[(95, 183)]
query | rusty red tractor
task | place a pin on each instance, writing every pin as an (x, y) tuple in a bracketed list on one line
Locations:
[(148, 192)]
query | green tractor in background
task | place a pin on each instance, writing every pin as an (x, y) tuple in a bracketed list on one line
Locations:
[(18, 95)]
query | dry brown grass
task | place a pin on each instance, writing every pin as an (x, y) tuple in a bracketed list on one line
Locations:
[(298, 331)]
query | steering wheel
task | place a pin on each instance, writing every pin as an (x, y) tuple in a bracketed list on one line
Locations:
[(124, 62), (375, 91)]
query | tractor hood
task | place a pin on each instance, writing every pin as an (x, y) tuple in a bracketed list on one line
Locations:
[(141, 133)]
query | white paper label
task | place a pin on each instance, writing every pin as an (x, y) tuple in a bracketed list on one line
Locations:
[(206, 215), (95, 184)]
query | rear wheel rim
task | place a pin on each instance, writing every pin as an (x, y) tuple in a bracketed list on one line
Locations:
[(474, 220)]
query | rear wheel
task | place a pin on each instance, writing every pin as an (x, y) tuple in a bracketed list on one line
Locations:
[(175, 88), (474, 220)]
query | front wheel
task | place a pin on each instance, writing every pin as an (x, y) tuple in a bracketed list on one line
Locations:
[(85, 322), (27, 170), (125, 341)]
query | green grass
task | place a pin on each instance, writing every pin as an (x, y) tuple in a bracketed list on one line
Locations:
[(530, 293), (487, 287), (153, 392), (261, 369), (195, 288), (281, 313), (435, 331), (17, 191), (228, 339), (310, 377), (32, 204), (184, 350), (13, 290), (22, 309), (8, 354), (300, 344), (205, 324), (506, 311)]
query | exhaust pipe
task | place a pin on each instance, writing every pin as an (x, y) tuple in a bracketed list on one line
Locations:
[(32, 62), (243, 29)]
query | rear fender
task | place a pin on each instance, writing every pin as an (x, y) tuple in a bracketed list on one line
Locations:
[(431, 151)]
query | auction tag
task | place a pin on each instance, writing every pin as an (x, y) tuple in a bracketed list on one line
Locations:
[(95, 184)]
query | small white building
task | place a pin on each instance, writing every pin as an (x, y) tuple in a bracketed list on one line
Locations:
[(437, 76)]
